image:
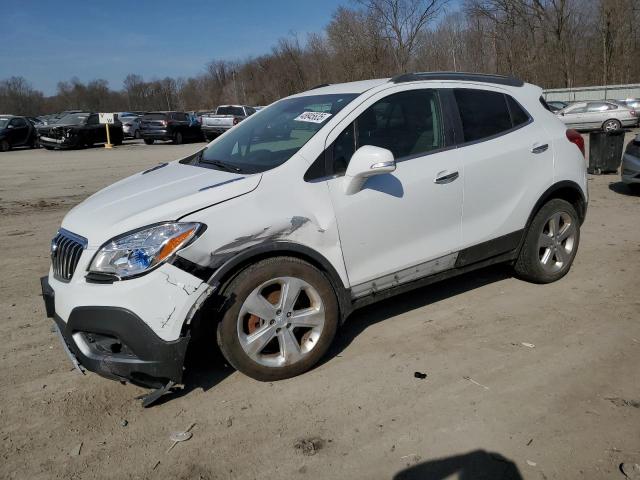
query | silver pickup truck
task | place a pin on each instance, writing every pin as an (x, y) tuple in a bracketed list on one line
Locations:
[(226, 116)]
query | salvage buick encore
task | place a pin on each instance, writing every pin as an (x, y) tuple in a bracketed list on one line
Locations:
[(321, 203)]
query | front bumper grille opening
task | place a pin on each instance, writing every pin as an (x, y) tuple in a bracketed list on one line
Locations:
[(66, 249)]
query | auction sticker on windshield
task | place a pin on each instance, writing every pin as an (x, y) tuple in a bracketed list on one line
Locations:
[(313, 117)]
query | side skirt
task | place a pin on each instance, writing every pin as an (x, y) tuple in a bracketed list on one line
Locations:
[(500, 250)]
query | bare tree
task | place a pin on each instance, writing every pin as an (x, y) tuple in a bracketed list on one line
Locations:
[(402, 21)]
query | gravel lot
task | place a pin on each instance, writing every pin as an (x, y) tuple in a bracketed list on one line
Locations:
[(490, 406)]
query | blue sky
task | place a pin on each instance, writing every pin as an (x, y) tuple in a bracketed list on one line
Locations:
[(48, 41)]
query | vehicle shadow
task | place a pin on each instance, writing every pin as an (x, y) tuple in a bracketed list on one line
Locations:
[(206, 367), (397, 305), (622, 188), (475, 465)]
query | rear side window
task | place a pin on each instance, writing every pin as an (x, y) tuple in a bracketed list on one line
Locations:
[(18, 122), (518, 115), (483, 113)]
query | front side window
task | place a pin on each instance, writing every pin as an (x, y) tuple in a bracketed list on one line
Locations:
[(483, 113), (93, 120), (262, 142), (407, 123), (18, 122)]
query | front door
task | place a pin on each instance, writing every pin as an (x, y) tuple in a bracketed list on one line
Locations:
[(406, 224)]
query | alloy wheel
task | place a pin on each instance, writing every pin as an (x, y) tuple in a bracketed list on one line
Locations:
[(281, 321), (556, 242)]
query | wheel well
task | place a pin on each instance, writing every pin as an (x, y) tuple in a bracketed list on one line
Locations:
[(567, 191), (229, 272)]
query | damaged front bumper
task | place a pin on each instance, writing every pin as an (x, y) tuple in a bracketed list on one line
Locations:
[(117, 344)]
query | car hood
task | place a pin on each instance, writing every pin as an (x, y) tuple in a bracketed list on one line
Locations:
[(165, 192)]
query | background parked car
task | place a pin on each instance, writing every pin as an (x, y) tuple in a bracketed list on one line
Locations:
[(630, 169), (130, 126), (16, 132), (556, 105), (77, 130), (176, 126), (226, 117), (605, 115)]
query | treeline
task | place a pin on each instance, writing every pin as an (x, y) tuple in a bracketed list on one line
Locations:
[(552, 43)]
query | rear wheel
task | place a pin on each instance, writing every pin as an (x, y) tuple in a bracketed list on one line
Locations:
[(137, 135), (551, 243), (177, 138), (611, 125), (280, 318), (4, 146), (149, 141)]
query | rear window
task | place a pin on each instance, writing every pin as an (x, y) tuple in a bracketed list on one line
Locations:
[(237, 111), (155, 116)]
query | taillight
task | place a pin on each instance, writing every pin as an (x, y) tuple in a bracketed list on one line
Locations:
[(236, 120), (575, 138)]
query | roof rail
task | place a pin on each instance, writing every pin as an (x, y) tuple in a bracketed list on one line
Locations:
[(460, 76), (320, 86)]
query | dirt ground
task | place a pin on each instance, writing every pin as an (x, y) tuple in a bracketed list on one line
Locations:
[(566, 405)]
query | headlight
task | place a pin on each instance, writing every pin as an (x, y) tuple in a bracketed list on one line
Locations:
[(143, 250)]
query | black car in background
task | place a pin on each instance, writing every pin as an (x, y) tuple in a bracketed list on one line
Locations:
[(175, 126), (78, 130), (16, 132)]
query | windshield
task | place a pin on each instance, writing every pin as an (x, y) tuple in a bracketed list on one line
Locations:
[(238, 111), (262, 142), (4, 122), (74, 119)]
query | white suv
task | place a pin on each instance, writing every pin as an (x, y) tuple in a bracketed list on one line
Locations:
[(321, 203)]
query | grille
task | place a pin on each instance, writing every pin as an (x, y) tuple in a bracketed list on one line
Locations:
[(66, 248)]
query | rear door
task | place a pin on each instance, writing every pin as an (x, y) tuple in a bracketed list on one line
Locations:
[(508, 164)]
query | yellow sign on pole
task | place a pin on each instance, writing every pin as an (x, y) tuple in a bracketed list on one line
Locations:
[(107, 118)]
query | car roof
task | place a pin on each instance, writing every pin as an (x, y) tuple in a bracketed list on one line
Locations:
[(462, 77)]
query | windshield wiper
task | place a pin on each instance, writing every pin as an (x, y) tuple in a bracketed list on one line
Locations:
[(223, 165)]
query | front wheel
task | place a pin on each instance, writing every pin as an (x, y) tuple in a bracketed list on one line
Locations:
[(280, 318), (551, 243), (137, 135), (177, 138), (4, 146), (611, 125), (149, 141)]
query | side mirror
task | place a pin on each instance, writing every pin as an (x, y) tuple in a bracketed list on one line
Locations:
[(366, 162)]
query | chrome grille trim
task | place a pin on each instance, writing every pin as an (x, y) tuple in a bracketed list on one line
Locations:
[(66, 249)]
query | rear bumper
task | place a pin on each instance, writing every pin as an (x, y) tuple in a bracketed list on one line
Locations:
[(207, 130), (156, 134), (115, 343)]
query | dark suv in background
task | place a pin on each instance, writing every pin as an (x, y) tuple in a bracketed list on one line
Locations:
[(175, 126)]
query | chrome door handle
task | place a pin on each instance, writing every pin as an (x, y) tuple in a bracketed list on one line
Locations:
[(539, 148), (446, 178)]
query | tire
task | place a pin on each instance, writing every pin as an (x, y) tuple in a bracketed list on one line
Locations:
[(177, 138), (4, 146), (611, 125), (546, 257), (275, 347), (137, 135), (149, 141)]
